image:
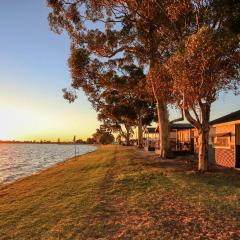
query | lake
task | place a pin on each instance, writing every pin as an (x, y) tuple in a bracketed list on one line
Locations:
[(19, 160)]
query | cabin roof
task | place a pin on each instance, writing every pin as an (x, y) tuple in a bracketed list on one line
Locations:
[(227, 118), (179, 126)]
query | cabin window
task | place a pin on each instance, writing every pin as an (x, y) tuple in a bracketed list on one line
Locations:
[(221, 141)]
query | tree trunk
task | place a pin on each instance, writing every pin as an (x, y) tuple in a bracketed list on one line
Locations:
[(140, 134), (163, 129), (203, 151), (203, 127), (162, 113), (203, 132), (127, 135)]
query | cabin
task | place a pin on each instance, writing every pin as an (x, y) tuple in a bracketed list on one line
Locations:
[(151, 138), (224, 141), (181, 138)]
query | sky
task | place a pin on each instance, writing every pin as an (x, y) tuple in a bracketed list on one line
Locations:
[(33, 71)]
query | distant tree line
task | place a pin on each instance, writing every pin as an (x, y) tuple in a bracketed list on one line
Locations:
[(134, 59)]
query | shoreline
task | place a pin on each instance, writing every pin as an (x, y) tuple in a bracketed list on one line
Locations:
[(47, 143), (2, 185)]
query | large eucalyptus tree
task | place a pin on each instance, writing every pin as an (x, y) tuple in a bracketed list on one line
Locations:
[(130, 31)]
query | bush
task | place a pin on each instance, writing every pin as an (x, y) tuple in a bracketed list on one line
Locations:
[(106, 138)]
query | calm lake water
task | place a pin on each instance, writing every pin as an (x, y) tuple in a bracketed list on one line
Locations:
[(19, 160)]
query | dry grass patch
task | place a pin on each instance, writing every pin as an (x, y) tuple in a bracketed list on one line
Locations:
[(120, 193)]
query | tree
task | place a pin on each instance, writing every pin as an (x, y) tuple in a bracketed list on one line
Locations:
[(90, 141), (206, 63), (158, 34), (106, 138), (103, 137), (115, 115), (117, 93), (134, 30), (125, 102), (96, 136), (79, 141)]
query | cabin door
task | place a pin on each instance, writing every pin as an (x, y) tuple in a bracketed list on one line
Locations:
[(237, 134)]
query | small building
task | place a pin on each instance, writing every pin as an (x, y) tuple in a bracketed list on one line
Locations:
[(181, 138), (151, 138), (224, 140)]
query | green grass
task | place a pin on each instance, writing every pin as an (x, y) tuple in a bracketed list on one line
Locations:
[(120, 193)]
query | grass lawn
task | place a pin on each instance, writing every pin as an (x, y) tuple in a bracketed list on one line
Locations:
[(120, 193)]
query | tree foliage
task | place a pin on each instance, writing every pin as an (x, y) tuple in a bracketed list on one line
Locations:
[(103, 137)]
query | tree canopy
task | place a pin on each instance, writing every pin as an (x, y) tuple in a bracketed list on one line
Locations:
[(103, 137)]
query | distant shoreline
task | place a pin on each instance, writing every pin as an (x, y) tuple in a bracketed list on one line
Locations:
[(5, 142)]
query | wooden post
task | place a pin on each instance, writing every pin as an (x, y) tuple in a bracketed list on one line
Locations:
[(74, 140)]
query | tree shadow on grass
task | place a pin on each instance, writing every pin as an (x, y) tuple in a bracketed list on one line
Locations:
[(217, 176)]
